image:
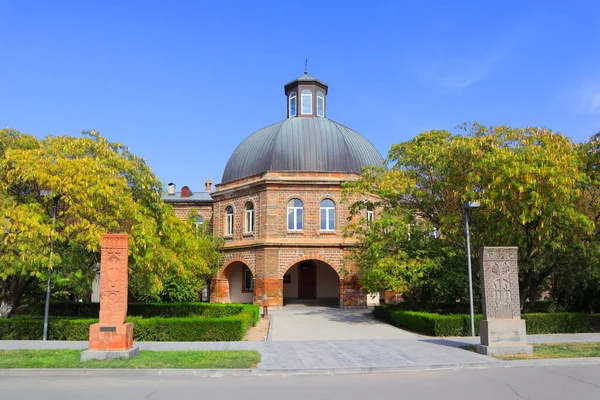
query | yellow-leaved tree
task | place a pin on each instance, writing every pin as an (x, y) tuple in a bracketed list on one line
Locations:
[(101, 187)]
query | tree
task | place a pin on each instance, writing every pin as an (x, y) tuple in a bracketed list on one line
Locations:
[(102, 187), (529, 182)]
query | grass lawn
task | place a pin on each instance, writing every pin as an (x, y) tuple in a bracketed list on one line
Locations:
[(557, 350), (146, 359)]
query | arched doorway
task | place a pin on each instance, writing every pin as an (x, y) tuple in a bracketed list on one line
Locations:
[(311, 282), (240, 283)]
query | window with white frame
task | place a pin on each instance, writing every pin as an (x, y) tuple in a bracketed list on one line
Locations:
[(229, 221), (292, 104), (249, 220), (320, 104), (248, 280), (327, 215), (198, 221), (295, 215), (306, 102), (370, 215)]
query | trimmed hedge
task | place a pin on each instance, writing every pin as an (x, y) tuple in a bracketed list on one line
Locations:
[(146, 310), (157, 329), (460, 324), (181, 322), (463, 308)]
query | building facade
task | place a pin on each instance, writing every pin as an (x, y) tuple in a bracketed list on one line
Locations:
[(279, 208)]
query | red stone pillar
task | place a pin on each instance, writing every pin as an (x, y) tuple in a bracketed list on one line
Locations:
[(272, 287), (112, 333), (351, 294), (219, 290)]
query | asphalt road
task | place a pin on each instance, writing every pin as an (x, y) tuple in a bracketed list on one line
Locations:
[(558, 382)]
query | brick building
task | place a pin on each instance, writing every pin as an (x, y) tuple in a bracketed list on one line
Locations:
[(279, 208)]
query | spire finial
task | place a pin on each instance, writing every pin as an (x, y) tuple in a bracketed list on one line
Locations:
[(306, 66)]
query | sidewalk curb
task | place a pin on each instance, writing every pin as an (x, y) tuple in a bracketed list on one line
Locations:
[(218, 373), (270, 331)]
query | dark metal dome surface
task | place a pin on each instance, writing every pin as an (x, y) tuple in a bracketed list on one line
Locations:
[(301, 144)]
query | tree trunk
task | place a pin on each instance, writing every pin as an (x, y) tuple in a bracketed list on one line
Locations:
[(12, 291)]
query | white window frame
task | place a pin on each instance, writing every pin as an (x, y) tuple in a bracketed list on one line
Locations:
[(229, 221), (294, 210), (328, 222), (294, 98), (306, 94), (321, 98), (249, 220), (370, 216), (198, 221)]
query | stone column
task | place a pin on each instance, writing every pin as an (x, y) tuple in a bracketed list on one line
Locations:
[(351, 294), (219, 290), (502, 329), (112, 337), (272, 288)]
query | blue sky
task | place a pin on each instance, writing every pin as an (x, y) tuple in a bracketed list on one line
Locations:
[(182, 83)]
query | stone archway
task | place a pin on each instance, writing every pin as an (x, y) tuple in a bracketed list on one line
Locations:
[(234, 284), (311, 282)]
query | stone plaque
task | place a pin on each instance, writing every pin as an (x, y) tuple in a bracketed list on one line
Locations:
[(113, 279), (499, 283)]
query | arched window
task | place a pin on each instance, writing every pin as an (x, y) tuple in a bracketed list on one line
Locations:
[(198, 221), (229, 221), (292, 104), (306, 102), (327, 215), (320, 104), (249, 219), (370, 214), (295, 213)]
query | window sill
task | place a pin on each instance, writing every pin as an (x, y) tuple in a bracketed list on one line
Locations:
[(327, 233), (296, 232), (227, 237), (248, 234)]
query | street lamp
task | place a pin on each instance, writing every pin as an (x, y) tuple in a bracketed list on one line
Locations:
[(466, 207), (45, 193)]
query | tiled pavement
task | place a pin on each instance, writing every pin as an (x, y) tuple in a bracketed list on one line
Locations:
[(366, 353)]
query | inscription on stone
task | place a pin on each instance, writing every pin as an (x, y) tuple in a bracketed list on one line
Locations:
[(108, 329), (500, 282)]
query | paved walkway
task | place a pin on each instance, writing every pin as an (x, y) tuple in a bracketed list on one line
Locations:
[(299, 322), (362, 354)]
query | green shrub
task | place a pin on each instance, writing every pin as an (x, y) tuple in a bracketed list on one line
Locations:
[(148, 310), (561, 322), (460, 324), (191, 329), (152, 322)]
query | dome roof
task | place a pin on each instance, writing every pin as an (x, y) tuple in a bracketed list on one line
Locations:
[(302, 144)]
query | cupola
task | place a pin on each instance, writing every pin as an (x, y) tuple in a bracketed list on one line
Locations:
[(306, 97)]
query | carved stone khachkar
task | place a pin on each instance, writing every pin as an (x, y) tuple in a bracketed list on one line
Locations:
[(502, 329), (112, 337)]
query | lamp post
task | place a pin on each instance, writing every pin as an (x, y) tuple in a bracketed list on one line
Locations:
[(44, 193), (466, 207)]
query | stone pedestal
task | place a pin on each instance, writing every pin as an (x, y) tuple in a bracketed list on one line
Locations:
[(502, 329), (112, 337), (503, 336)]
